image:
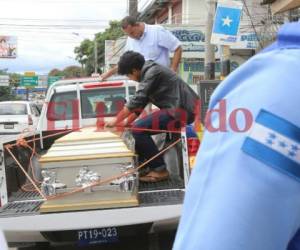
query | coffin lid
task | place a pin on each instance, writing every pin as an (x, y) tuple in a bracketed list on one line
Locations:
[(87, 144)]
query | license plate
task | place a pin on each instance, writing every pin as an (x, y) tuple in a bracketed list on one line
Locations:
[(8, 126), (97, 236)]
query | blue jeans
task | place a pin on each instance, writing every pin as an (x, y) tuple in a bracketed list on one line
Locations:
[(144, 145)]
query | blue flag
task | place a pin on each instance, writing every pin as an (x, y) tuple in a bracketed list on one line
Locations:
[(227, 21), (275, 142)]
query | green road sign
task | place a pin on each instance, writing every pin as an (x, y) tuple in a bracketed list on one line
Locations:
[(29, 81), (53, 79)]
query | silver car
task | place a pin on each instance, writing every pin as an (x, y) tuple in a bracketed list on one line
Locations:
[(17, 117)]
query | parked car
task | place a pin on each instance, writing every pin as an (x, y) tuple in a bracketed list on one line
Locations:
[(17, 117)]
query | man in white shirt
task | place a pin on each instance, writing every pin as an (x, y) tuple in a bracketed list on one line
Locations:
[(152, 41)]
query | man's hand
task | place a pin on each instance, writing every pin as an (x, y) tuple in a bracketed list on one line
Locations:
[(111, 123), (109, 73), (176, 59), (120, 120)]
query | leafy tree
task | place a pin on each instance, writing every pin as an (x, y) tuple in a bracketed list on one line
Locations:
[(68, 72), (14, 80), (85, 55), (6, 92), (55, 72), (72, 71), (85, 52)]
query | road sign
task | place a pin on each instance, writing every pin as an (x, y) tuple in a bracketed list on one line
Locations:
[(29, 81), (227, 22), (4, 81), (53, 79), (29, 73)]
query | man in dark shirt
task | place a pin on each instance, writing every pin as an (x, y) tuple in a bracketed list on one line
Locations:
[(162, 87)]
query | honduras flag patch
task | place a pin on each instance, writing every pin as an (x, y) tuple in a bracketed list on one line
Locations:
[(275, 142)]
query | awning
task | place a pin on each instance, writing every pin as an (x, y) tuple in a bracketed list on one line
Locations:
[(284, 5), (267, 1)]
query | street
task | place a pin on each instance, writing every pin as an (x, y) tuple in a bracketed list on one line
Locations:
[(149, 124)]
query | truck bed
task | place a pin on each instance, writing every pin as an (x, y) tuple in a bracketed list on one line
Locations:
[(159, 208), (168, 192)]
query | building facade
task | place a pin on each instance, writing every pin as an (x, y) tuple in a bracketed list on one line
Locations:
[(187, 20)]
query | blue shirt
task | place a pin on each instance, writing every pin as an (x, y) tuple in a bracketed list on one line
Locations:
[(155, 44), (238, 200)]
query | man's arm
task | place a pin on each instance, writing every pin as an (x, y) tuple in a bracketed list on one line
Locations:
[(109, 73), (167, 40), (176, 59), (131, 118), (121, 116)]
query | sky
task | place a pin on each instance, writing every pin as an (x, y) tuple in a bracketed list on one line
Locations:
[(48, 30)]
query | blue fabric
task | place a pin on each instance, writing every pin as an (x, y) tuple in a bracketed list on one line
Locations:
[(288, 37), (235, 201), (155, 44), (190, 131), (279, 125), (295, 242), (272, 158)]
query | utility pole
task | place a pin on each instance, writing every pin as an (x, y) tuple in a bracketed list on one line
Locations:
[(209, 69), (96, 55), (224, 61), (133, 8)]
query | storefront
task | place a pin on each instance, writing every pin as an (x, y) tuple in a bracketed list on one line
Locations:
[(193, 45)]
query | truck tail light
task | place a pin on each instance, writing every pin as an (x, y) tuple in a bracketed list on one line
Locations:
[(193, 145), (30, 121), (102, 85)]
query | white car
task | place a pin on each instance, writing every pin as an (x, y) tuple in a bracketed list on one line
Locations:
[(17, 117)]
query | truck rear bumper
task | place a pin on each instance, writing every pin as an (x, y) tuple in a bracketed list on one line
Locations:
[(28, 228), (90, 219)]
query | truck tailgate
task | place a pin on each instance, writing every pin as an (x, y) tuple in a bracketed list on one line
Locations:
[(161, 201)]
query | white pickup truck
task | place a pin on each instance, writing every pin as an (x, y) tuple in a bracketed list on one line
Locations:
[(71, 104)]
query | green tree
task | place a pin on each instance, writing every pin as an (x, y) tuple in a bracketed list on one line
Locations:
[(85, 52), (14, 80), (84, 55), (6, 92), (68, 72), (72, 71), (55, 72)]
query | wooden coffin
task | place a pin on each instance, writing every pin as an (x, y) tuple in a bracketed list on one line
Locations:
[(103, 153)]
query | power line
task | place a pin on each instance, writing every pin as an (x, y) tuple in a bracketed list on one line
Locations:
[(39, 20), (102, 2), (252, 24)]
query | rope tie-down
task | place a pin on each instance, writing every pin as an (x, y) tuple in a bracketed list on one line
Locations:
[(34, 182)]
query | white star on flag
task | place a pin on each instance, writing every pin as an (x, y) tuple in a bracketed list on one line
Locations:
[(276, 141), (227, 21)]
